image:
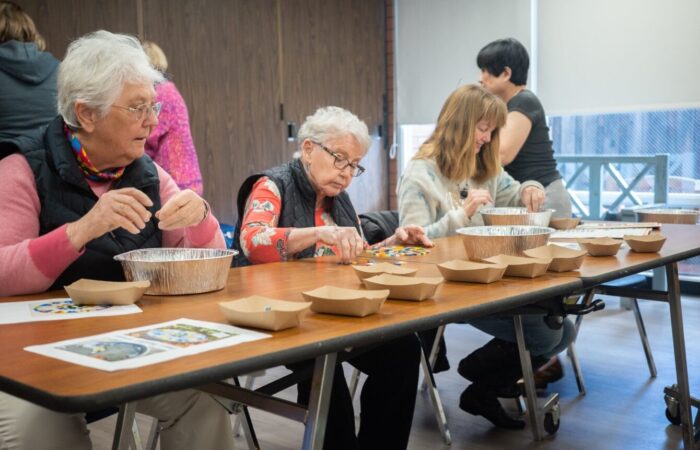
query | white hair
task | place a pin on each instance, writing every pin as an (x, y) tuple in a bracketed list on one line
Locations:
[(96, 68), (333, 121)]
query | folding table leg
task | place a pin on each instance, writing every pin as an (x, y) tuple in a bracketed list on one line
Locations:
[(644, 338), (321, 384), (674, 300), (354, 381), (535, 417), (577, 368), (434, 353), (123, 433), (587, 299), (435, 398)]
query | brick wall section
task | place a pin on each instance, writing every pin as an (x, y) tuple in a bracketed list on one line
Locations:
[(390, 98)]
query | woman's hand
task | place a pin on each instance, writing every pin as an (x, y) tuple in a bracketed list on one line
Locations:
[(346, 239), (184, 209), (121, 208), (533, 198), (408, 235), (475, 199)]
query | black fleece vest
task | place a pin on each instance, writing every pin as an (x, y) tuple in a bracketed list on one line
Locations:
[(298, 204), (65, 196)]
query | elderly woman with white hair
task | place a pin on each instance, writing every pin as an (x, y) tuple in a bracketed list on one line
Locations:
[(300, 209), (80, 191)]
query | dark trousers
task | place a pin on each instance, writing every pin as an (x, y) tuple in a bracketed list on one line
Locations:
[(387, 400)]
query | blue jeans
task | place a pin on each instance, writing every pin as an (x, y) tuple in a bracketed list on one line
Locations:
[(539, 338)]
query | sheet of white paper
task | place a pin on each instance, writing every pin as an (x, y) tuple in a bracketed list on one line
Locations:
[(57, 309), (584, 233), (619, 225), (138, 347)]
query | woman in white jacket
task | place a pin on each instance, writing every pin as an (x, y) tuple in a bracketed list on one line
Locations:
[(455, 173)]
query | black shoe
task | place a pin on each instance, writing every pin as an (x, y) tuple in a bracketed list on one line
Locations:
[(484, 361), (442, 364), (513, 390), (480, 402), (549, 373)]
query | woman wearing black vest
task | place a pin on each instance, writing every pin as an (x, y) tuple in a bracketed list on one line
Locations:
[(80, 191), (300, 209)]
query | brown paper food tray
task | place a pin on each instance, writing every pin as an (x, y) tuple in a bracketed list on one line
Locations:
[(519, 266), (346, 302), (95, 292), (405, 288), (471, 272), (563, 259), (264, 313)]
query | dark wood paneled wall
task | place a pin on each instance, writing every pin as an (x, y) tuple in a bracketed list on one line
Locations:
[(62, 21), (339, 44), (237, 62), (223, 56)]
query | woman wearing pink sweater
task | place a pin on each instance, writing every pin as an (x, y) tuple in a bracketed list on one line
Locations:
[(80, 191), (170, 144)]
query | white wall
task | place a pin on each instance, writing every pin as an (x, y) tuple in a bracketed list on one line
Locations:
[(605, 55), (594, 55), (437, 43)]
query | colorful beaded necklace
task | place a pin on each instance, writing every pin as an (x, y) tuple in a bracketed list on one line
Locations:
[(86, 166)]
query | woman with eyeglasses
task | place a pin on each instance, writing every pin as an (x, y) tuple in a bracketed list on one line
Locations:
[(300, 209), (80, 191)]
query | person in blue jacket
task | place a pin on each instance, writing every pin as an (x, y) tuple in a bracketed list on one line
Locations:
[(27, 74)]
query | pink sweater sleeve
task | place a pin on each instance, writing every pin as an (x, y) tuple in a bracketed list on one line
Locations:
[(205, 235), (170, 144), (28, 262)]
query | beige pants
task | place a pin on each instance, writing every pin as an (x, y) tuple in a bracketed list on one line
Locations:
[(189, 420)]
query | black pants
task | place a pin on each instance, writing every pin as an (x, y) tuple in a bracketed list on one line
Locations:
[(387, 400)]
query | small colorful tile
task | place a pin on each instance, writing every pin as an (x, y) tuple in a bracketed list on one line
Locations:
[(395, 251)]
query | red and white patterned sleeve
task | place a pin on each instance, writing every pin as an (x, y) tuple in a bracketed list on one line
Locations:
[(261, 240)]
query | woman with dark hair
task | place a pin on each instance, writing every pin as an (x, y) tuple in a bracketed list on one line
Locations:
[(526, 149), (27, 74)]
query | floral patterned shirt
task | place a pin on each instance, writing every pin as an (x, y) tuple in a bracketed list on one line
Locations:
[(262, 240)]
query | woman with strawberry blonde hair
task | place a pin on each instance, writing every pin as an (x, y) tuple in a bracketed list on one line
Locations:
[(455, 173)]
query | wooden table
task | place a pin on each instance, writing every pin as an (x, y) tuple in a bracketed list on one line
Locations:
[(66, 387), (71, 388), (683, 242)]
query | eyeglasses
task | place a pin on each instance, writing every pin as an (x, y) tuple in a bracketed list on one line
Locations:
[(141, 111), (342, 163)]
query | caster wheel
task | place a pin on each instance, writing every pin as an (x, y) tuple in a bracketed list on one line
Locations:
[(675, 419), (551, 425)]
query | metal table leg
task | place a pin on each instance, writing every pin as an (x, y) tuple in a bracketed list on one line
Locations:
[(123, 433), (674, 300), (577, 368), (643, 336), (530, 393), (435, 399), (321, 384), (434, 353), (587, 300)]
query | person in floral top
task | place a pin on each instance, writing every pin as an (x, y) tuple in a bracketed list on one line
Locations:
[(299, 210), (328, 160)]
